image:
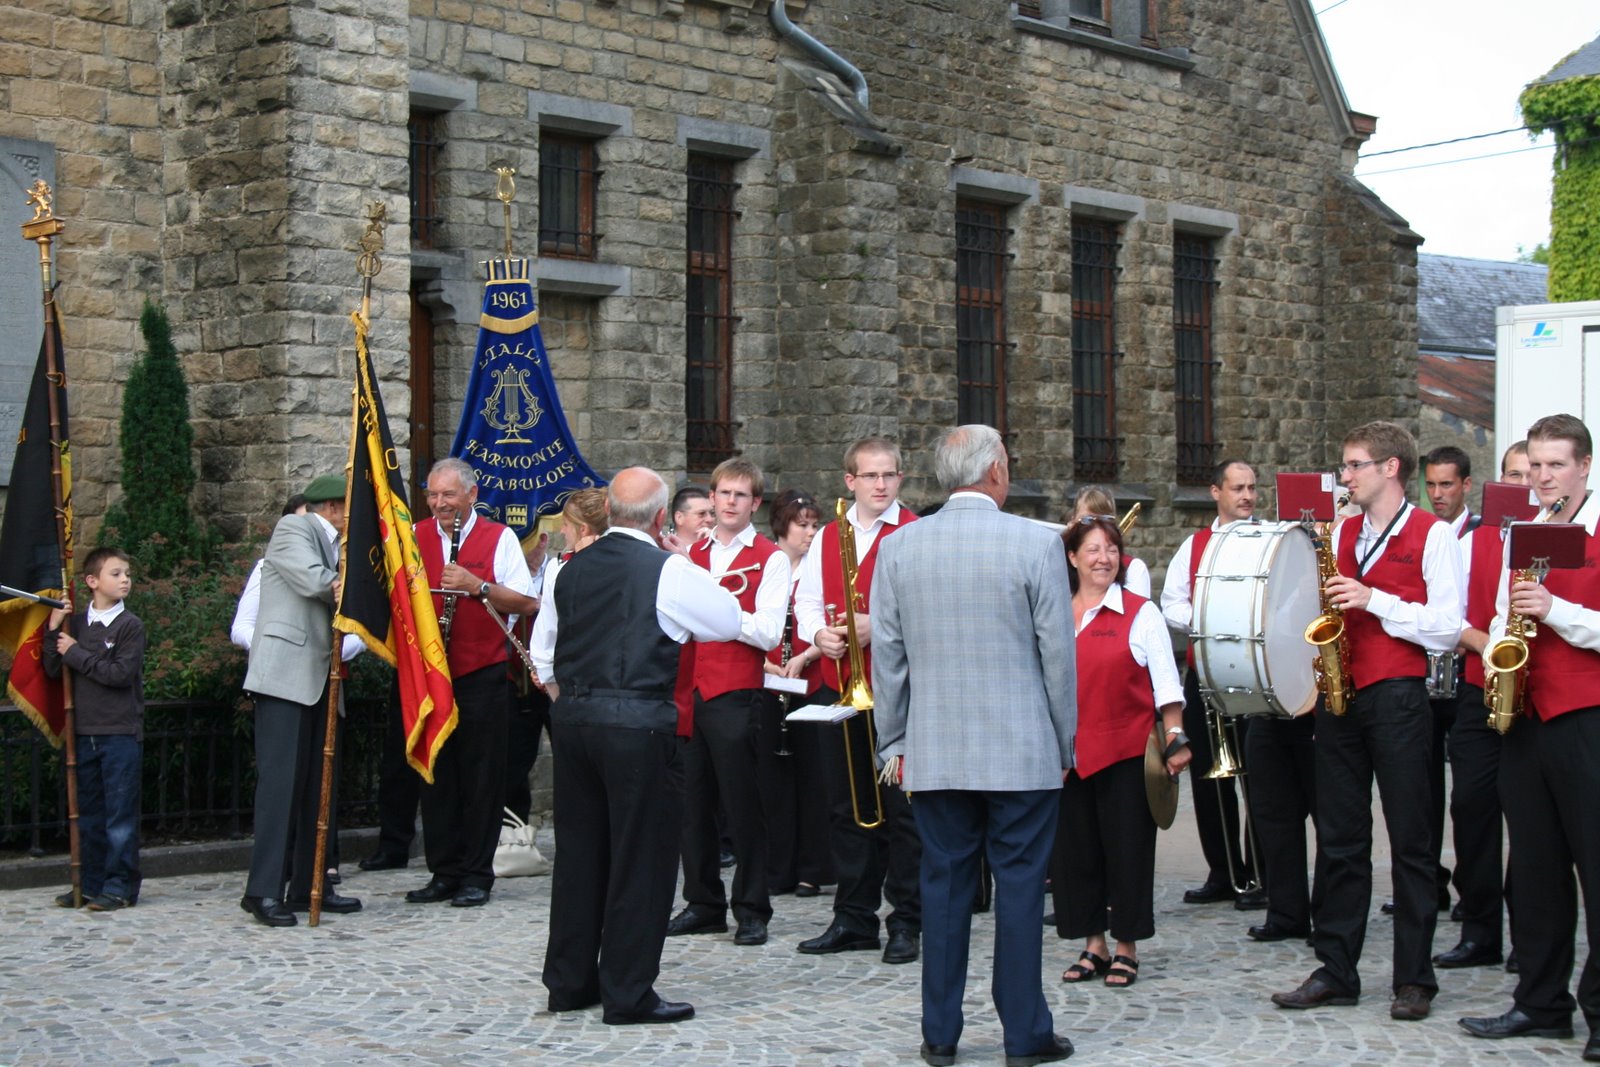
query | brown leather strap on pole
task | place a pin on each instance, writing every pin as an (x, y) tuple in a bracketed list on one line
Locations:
[(325, 798)]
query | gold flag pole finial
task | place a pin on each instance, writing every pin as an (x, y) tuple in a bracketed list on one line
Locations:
[(506, 190), (368, 264), (43, 228)]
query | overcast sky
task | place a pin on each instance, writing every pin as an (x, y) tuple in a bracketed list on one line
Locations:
[(1431, 70)]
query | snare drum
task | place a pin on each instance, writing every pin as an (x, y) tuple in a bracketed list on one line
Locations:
[(1442, 668), (1255, 593)]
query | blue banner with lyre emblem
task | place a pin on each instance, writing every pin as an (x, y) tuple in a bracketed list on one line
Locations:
[(513, 430)]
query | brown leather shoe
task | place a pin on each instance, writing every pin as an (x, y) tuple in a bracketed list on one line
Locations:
[(1411, 1003), (1313, 993)]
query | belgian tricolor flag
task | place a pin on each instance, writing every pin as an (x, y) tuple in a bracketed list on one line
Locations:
[(33, 557), (385, 598)]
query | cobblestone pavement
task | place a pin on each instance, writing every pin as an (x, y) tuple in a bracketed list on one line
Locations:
[(187, 978)]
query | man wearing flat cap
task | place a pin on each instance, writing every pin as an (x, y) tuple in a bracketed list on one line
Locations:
[(288, 678)]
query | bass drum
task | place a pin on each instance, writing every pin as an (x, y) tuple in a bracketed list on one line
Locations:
[(1255, 593)]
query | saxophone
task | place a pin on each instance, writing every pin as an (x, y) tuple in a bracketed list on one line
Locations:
[(1505, 665), (1326, 632)]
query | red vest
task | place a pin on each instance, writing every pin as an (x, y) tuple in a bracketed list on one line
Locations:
[(1374, 655), (475, 640), (1563, 677), (1197, 549), (1483, 584), (1116, 702), (723, 666), (833, 586), (798, 646)]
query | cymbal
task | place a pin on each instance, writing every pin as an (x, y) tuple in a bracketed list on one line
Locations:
[(1160, 788)]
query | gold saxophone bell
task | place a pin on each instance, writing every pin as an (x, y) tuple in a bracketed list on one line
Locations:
[(857, 690), (1505, 667), (1325, 634)]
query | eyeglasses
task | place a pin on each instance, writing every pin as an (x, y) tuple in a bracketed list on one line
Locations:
[(883, 476), (1351, 468)]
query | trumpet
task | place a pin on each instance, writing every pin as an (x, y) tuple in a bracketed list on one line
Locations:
[(1505, 665), (856, 692), (1326, 631)]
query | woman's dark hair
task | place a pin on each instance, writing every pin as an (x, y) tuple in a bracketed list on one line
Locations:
[(791, 505), (1073, 536)]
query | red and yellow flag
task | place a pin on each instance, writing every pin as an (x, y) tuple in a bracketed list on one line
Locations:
[(384, 598), (32, 557)]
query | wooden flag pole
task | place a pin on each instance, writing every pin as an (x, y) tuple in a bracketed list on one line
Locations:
[(43, 228)]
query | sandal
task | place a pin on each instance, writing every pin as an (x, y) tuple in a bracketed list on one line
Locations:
[(1079, 973), (1129, 972)]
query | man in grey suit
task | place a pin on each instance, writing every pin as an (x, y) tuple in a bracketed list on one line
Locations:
[(288, 677), (974, 682)]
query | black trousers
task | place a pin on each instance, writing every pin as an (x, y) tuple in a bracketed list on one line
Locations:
[(399, 786), (884, 863), (719, 768), (526, 720), (618, 810), (461, 810), (288, 741), (1475, 818), (1105, 855), (1282, 783), (1216, 813), (1444, 718), (1385, 734), (813, 859), (1549, 782), (792, 797)]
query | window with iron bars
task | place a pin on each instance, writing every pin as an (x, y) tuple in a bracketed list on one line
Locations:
[(708, 402), (1095, 445), (427, 144), (981, 238), (1194, 285), (568, 177)]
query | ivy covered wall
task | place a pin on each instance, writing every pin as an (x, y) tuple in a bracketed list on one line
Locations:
[(1570, 109)]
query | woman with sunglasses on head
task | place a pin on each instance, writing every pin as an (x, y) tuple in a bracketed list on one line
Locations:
[(797, 824), (1097, 500), (1105, 853)]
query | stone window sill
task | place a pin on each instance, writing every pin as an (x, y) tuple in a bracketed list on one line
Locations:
[(576, 277), (1175, 58)]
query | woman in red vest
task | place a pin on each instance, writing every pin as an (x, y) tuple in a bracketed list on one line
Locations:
[(1105, 856), (1097, 500), (797, 819)]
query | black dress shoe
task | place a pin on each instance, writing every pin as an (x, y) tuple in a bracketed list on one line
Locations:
[(665, 1011), (436, 890), (1514, 1023), (749, 932), (903, 947), (1468, 954), (1271, 931), (1059, 1048), (1591, 1048), (1313, 993), (1511, 963), (470, 896), (689, 921), (938, 1055), (380, 861), (1388, 907), (1050, 919), (579, 1003), (1210, 893), (838, 938), (1250, 900), (1411, 1003), (1456, 915), (726, 859), (331, 902), (806, 889), (268, 911)]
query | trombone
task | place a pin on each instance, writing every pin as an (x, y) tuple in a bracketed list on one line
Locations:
[(856, 693), (1225, 763)]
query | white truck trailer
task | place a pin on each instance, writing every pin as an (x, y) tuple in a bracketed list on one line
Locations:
[(1547, 361)]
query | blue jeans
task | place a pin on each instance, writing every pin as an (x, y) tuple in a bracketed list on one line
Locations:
[(108, 814)]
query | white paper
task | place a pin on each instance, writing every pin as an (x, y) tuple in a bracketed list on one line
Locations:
[(797, 686), (821, 713)]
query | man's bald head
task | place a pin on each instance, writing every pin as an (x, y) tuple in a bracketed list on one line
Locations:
[(637, 498)]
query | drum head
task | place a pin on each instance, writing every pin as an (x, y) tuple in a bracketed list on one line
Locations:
[(1292, 603)]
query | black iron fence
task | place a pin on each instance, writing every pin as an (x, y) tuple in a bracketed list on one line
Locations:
[(199, 775)]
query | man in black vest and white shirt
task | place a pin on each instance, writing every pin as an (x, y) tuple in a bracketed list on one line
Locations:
[(606, 646)]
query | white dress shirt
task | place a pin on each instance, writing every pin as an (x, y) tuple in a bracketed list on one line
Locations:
[(1149, 643), (1177, 592), (242, 631), (808, 606), (510, 565), (1137, 577), (1436, 624), (763, 627), (689, 603), (1573, 623), (105, 618)]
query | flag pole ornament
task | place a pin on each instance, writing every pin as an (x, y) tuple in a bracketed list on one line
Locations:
[(513, 430)]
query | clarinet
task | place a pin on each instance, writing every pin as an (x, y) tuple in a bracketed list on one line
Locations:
[(784, 698), (451, 600)]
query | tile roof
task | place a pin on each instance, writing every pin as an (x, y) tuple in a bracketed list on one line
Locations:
[(1456, 301), (1583, 63)]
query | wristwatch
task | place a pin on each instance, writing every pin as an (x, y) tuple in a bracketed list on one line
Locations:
[(483, 591)]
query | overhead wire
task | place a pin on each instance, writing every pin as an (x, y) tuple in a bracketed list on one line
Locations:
[(1469, 159)]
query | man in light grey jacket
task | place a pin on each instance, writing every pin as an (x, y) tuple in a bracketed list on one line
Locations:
[(974, 682)]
